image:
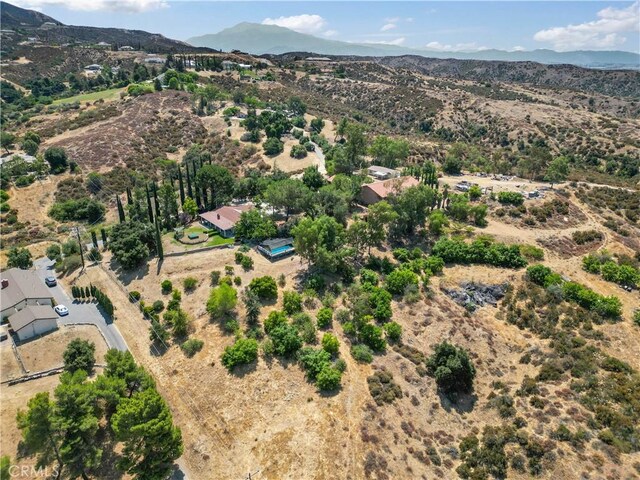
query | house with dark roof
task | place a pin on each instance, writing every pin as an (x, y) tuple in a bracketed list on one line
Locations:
[(374, 192), (26, 303), (382, 173), (224, 219)]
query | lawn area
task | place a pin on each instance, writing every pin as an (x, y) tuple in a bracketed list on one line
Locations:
[(213, 240), (218, 240), (91, 97)]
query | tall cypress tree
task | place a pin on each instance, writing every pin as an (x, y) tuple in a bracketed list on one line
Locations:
[(94, 239), (155, 198), (120, 210), (129, 197), (103, 233), (189, 188), (149, 207), (159, 248), (181, 186)]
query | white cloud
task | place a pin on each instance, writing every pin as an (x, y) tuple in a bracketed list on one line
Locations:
[(392, 19), (126, 6), (300, 23), (388, 26), (606, 32), (518, 48), (397, 41), (330, 33), (458, 47)]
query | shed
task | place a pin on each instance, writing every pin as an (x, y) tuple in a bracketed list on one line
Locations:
[(32, 321)]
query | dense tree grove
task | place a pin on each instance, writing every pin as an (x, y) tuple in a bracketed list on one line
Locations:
[(452, 369), (66, 431)]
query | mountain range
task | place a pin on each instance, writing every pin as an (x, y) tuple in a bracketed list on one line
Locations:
[(261, 39)]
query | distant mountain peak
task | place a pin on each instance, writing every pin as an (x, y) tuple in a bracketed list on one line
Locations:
[(262, 39)]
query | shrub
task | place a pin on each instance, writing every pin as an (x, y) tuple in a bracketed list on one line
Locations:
[(531, 252), (265, 287), (330, 343), (222, 300), (79, 355), (54, 252), (215, 277), (134, 296), (452, 369), (275, 319), (511, 198), (393, 331), (190, 284), (246, 262), (166, 286), (313, 361), (582, 237), (371, 335), (286, 341), (298, 151), (361, 353), (158, 306), (244, 350), (292, 302), (325, 316), (273, 146), (382, 388), (480, 251), (192, 346), (368, 277), (329, 379), (398, 280)]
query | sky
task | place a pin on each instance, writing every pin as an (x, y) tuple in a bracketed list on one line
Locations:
[(440, 25)]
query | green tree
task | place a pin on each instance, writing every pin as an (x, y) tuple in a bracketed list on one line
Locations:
[(222, 301), (452, 369), (356, 145), (190, 207), (273, 146), (291, 302), (19, 258), (218, 182), (151, 441), (413, 206), (378, 219), (312, 178), (254, 226), (289, 194), (76, 412), (297, 106), (131, 243), (168, 205), (30, 147), (319, 241), (264, 287), (252, 306), (330, 343), (79, 355), (7, 140), (557, 171), (122, 365), (54, 252), (389, 152), (243, 351), (57, 159), (437, 222), (41, 432), (329, 379)]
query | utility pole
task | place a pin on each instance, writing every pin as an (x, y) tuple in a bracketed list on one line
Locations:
[(250, 476)]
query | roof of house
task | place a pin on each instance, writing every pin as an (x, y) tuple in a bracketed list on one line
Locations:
[(30, 314), (23, 284), (380, 169), (276, 242), (384, 188), (226, 217)]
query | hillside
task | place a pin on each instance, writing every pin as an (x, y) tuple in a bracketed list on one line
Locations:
[(271, 39), (29, 23)]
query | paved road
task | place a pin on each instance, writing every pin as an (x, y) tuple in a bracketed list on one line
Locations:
[(80, 312), (322, 166)]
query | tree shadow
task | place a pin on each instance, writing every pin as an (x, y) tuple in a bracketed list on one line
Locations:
[(177, 473), (460, 403), (127, 276), (157, 349), (159, 266), (241, 371)]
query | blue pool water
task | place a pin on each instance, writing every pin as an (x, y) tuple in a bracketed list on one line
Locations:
[(282, 249)]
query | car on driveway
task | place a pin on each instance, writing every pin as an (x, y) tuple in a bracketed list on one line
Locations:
[(61, 310), (51, 281)]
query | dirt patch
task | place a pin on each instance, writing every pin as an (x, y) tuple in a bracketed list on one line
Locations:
[(10, 366), (46, 352)]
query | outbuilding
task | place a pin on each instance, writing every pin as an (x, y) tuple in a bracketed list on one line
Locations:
[(33, 321)]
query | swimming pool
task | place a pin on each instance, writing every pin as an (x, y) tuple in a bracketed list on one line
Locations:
[(282, 249)]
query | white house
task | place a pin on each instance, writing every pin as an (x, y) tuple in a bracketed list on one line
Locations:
[(26, 303)]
